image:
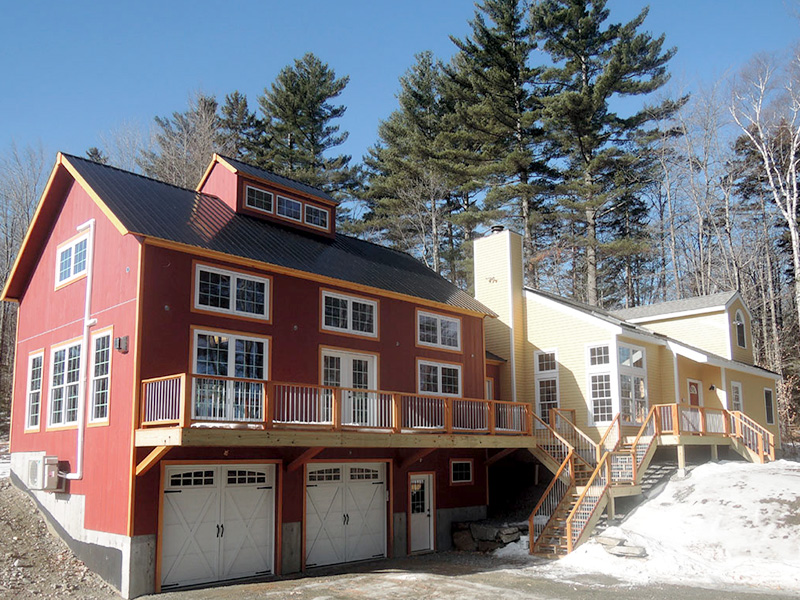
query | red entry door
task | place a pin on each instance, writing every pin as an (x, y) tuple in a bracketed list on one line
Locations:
[(694, 393)]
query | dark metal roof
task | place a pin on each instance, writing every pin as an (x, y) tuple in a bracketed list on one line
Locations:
[(155, 209), (493, 356), (278, 179)]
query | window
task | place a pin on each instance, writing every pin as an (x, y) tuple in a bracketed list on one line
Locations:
[(736, 396), (438, 331), (231, 292), (546, 378), (439, 379), (316, 217), (258, 199), (460, 471), (101, 377), (741, 340), (601, 408), (289, 208), (35, 373), (221, 362), (632, 384), (66, 361), (353, 371), (768, 406), (347, 314), (71, 262)]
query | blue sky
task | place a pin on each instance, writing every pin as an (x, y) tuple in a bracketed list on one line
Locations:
[(72, 71)]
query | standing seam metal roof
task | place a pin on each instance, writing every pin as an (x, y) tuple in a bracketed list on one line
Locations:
[(160, 210)]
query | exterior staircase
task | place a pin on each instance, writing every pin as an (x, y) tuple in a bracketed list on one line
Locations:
[(589, 474)]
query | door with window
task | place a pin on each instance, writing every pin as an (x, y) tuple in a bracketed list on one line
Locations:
[(354, 372), (420, 512), (695, 393)]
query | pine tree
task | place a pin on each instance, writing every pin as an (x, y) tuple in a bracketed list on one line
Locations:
[(592, 65), (299, 126), (239, 128), (94, 153), (497, 100)]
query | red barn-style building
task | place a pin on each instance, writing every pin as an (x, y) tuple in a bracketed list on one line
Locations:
[(214, 384)]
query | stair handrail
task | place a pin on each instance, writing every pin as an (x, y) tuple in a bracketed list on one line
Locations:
[(601, 477), (585, 446), (565, 446), (765, 439), (650, 421), (608, 437), (545, 500)]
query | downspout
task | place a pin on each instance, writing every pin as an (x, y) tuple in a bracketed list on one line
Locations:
[(88, 322)]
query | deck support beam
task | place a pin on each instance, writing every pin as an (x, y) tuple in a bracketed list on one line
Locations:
[(681, 460), (498, 456), (416, 457), (714, 453), (610, 507), (303, 459), (149, 461)]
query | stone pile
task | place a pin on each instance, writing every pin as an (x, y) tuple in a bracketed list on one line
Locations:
[(484, 536)]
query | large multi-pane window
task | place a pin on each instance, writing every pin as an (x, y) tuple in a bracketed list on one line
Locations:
[(348, 314), (101, 376), (65, 384), (599, 367), (438, 331), (34, 404), (231, 292), (440, 379), (546, 378), (71, 262), (632, 384), (228, 369)]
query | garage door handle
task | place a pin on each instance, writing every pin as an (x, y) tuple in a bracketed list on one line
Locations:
[(222, 530), (217, 530)]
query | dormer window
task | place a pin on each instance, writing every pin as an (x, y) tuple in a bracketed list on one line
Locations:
[(316, 217), (258, 199), (741, 340), (291, 209)]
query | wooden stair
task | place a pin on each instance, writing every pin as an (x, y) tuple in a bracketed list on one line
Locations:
[(553, 541)]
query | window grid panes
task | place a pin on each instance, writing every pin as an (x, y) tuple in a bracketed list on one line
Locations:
[(242, 477), (740, 337), (601, 397), (546, 361), (632, 384), (439, 331), (316, 217), (101, 377), (250, 296), (461, 471), (364, 474), (417, 496), (736, 396), (65, 384), (435, 378), (330, 474), (34, 390), (259, 199), (289, 208), (192, 479), (548, 397), (363, 317), (348, 314), (72, 260), (230, 292), (598, 355)]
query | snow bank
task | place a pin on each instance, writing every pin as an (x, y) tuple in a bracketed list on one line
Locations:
[(727, 524)]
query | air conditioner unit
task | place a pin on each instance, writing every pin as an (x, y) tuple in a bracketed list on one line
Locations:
[(43, 474)]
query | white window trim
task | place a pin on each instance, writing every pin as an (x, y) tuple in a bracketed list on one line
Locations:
[(737, 385), (439, 318), (739, 318), (37, 427), (609, 369), (63, 346), (699, 390), (633, 372), (110, 335), (439, 366), (545, 376), (73, 274), (349, 329), (772, 402), (327, 216), (234, 275), (278, 198), (251, 207), (463, 461), (232, 337)]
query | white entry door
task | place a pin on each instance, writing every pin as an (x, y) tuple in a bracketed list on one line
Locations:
[(421, 512), (353, 371), (218, 523), (345, 512)]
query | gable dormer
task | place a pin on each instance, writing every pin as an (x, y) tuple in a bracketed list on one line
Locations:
[(258, 193)]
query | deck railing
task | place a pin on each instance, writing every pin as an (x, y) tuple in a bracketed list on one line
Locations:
[(555, 494), (754, 436), (588, 502), (209, 399), (555, 446)]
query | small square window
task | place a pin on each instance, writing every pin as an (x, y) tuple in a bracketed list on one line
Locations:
[(289, 208), (72, 259), (461, 471), (598, 355), (316, 217)]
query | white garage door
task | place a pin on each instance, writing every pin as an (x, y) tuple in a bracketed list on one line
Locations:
[(218, 523), (345, 512)]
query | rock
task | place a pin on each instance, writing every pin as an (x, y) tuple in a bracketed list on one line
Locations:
[(507, 538), (507, 530), (486, 546), (627, 551), (486, 533), (460, 526), (608, 541), (462, 540)]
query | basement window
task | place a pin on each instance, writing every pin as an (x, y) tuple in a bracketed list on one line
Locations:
[(460, 471)]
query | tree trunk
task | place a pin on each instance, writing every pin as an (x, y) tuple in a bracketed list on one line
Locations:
[(591, 257)]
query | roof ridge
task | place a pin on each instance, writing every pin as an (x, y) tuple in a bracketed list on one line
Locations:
[(141, 176)]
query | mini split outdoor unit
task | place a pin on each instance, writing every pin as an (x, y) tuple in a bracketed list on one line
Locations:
[(43, 474)]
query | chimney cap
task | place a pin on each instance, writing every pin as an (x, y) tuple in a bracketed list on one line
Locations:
[(497, 228)]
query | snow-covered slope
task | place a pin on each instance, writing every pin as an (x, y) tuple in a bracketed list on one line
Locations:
[(727, 524)]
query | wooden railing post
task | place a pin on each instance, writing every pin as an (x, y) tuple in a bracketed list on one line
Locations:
[(726, 425), (269, 404), (676, 420), (490, 416), (142, 405), (529, 419), (448, 415), (397, 414), (336, 408), (761, 447), (186, 405), (657, 425)]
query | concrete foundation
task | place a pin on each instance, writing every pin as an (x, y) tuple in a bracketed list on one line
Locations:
[(400, 538), (291, 547)]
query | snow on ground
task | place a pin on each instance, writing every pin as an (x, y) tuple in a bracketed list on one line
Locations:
[(726, 524), (5, 459)]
